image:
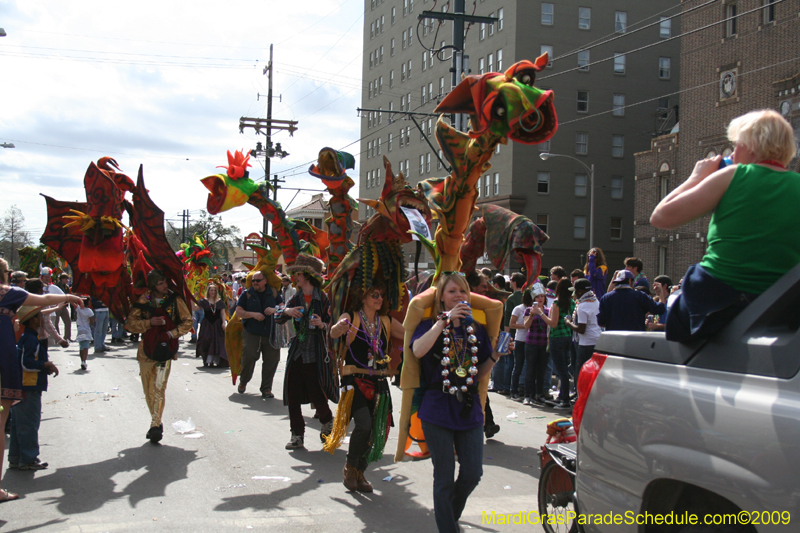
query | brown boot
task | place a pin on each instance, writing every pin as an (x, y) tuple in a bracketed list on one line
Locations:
[(350, 474), (363, 484)]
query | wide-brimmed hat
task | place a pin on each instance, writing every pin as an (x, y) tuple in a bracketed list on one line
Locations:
[(308, 264), (26, 312)]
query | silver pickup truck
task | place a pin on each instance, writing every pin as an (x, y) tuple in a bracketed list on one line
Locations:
[(668, 431)]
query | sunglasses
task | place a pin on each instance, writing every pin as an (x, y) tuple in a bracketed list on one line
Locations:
[(258, 280), (376, 295)]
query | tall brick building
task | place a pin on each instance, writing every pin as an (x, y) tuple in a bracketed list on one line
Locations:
[(743, 55), (596, 77)]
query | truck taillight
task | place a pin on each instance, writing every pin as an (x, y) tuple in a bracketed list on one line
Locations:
[(588, 375)]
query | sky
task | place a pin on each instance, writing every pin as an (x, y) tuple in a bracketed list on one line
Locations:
[(163, 84)]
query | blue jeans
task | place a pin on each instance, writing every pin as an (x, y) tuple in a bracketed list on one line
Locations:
[(117, 328), (100, 328), (26, 417), (560, 351), (519, 362), (499, 374), (450, 494)]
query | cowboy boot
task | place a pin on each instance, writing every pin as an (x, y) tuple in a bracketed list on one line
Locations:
[(363, 484), (350, 474)]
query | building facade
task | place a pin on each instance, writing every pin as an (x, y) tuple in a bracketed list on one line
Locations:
[(740, 56), (599, 79)]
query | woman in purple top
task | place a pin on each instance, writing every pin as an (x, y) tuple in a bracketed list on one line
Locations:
[(454, 358), (11, 298), (536, 356), (596, 271)]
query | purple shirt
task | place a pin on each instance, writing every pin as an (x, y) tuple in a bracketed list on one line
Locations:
[(537, 334), (438, 407)]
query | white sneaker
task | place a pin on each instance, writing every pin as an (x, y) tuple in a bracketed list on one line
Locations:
[(84, 366), (295, 442)]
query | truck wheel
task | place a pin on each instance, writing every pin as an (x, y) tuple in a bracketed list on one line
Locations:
[(556, 500)]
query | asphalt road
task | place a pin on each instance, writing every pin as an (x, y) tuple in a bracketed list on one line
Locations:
[(233, 472)]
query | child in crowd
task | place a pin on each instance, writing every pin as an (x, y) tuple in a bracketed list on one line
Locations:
[(85, 324), (26, 416)]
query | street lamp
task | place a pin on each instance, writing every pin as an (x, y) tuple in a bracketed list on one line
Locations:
[(8, 145), (544, 156)]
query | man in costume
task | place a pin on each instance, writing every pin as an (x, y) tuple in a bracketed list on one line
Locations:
[(310, 373), (161, 316), (256, 308)]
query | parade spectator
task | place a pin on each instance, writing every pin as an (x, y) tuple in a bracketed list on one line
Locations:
[(752, 232), (635, 266), (85, 321), (256, 308), (211, 337), (310, 374), (596, 271), (197, 317), (662, 286), (585, 322), (19, 278), (366, 353), (117, 330), (452, 422), (48, 287), (557, 273), (162, 316), (35, 286), (64, 314), (576, 275), (520, 332), (560, 337), (625, 309), (536, 356), (26, 416), (101, 321), (507, 363), (499, 282), (11, 298)]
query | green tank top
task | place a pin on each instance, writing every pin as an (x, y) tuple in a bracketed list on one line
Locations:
[(754, 234)]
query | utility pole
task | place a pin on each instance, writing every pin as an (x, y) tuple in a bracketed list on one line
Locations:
[(460, 61), (268, 125), (184, 224)]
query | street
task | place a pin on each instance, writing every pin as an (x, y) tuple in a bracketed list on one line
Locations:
[(232, 472)]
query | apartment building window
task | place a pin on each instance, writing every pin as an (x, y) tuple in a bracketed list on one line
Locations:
[(617, 145), (410, 6), (369, 90), (409, 69), (543, 182), (445, 53), (481, 65), (410, 37), (424, 94), (402, 103), (662, 260), (491, 26), (379, 146), (402, 140), (381, 55), (616, 229), (497, 149), (548, 14), (490, 63), (487, 184), (372, 30), (731, 24), (391, 79), (496, 183), (768, 13), (580, 185), (371, 59), (403, 72), (664, 64), (380, 85), (391, 47), (482, 31), (663, 187), (428, 162), (405, 7), (424, 61), (619, 63), (581, 143), (402, 165), (383, 20), (583, 60), (579, 227), (389, 142), (543, 222), (439, 160), (583, 101), (441, 85), (430, 96), (500, 19), (369, 149), (408, 132), (500, 60), (421, 164), (616, 187), (665, 28), (619, 105), (549, 49), (620, 21), (405, 39), (545, 146), (394, 15), (584, 18)]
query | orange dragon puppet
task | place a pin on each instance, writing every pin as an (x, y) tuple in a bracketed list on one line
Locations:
[(501, 106)]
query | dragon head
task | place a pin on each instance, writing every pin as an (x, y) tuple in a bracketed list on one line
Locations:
[(389, 221), (507, 104), (332, 167), (226, 191), (268, 256)]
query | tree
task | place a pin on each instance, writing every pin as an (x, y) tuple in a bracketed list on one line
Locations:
[(219, 237), (13, 235)]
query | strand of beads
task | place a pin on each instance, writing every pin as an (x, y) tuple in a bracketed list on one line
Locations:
[(460, 371)]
